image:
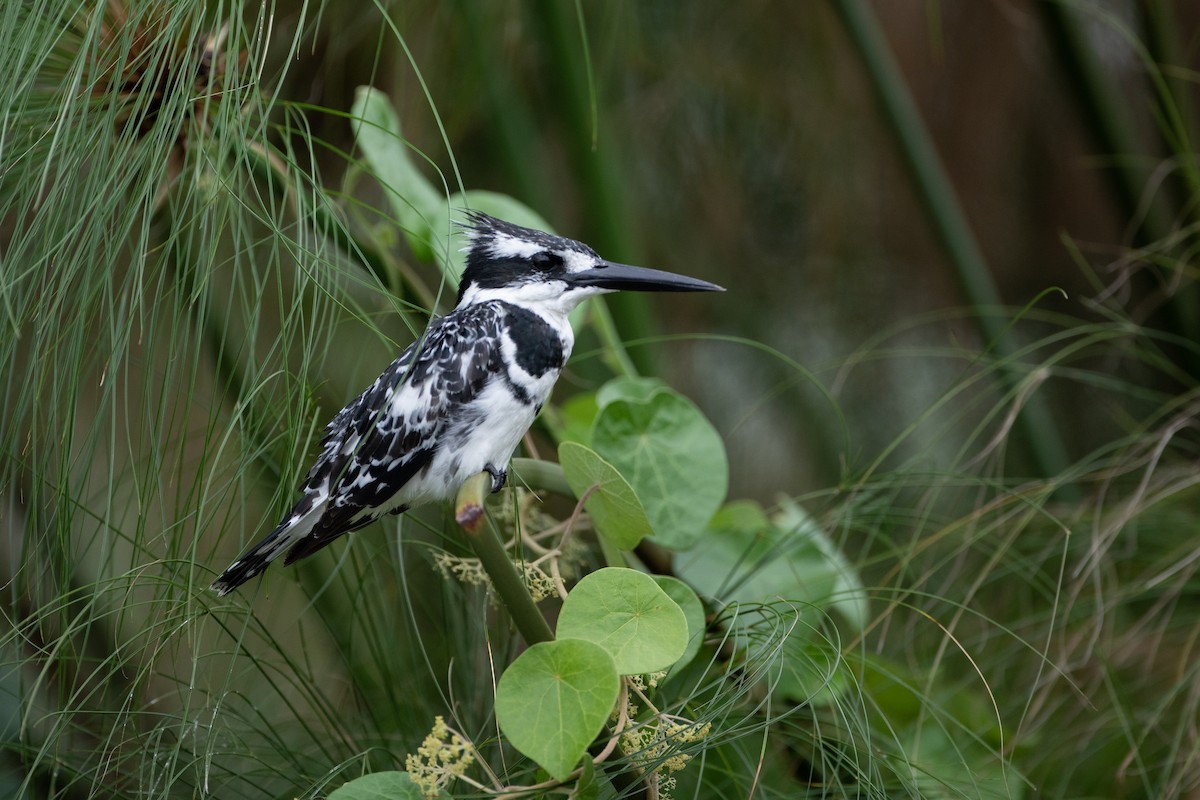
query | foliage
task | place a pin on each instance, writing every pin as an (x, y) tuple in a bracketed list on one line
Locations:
[(197, 265), (613, 506)]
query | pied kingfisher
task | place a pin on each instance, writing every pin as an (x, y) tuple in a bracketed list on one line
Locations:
[(456, 402)]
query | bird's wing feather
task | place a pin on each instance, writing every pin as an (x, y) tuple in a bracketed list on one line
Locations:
[(385, 436)]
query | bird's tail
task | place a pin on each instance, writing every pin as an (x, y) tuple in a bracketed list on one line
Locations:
[(256, 559)]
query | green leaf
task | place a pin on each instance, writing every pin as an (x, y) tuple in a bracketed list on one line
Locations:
[(586, 786), (740, 515), (379, 786), (415, 201), (625, 612), (672, 457), (638, 390), (422, 209), (757, 564), (554, 699), (693, 612), (849, 596), (746, 557), (615, 509)]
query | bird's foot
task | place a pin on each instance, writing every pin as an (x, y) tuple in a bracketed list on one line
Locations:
[(499, 476)]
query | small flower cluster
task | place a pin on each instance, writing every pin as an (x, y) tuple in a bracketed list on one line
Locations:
[(659, 740), (648, 681), (520, 509), (443, 756), (470, 572), (467, 571), (540, 584)]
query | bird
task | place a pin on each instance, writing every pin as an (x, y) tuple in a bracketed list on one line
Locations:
[(455, 403)]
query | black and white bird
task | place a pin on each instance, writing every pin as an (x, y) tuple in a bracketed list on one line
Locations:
[(457, 402)]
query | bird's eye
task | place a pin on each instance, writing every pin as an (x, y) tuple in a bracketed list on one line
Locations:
[(546, 261)]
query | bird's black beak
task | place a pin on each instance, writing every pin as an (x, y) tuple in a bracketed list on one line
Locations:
[(618, 277)]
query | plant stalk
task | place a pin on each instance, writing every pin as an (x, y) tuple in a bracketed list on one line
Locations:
[(950, 226), (499, 567)]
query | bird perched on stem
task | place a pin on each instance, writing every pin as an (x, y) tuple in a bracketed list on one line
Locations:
[(456, 402)]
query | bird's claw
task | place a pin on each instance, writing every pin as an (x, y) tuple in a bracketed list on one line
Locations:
[(499, 477)]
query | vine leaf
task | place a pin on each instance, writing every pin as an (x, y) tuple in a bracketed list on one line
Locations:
[(625, 612), (614, 507), (390, 785), (554, 699), (672, 457), (693, 612)]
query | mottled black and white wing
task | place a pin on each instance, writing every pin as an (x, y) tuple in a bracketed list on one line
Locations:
[(383, 438)]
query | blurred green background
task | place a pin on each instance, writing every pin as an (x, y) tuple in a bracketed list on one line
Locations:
[(960, 330)]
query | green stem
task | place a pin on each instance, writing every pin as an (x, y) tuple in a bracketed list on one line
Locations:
[(1178, 112), (1105, 119), (945, 214), (545, 475), (512, 590), (613, 555), (514, 138), (521, 607), (1106, 115)]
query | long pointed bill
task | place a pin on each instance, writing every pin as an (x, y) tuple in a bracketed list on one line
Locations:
[(619, 277)]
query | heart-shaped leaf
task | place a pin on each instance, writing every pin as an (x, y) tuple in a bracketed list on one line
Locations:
[(693, 612), (625, 612), (637, 390), (554, 699), (672, 457)]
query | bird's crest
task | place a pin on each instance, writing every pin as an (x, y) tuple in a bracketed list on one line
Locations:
[(505, 239), (500, 253)]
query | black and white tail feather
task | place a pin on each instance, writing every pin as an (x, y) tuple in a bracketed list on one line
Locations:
[(459, 399)]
